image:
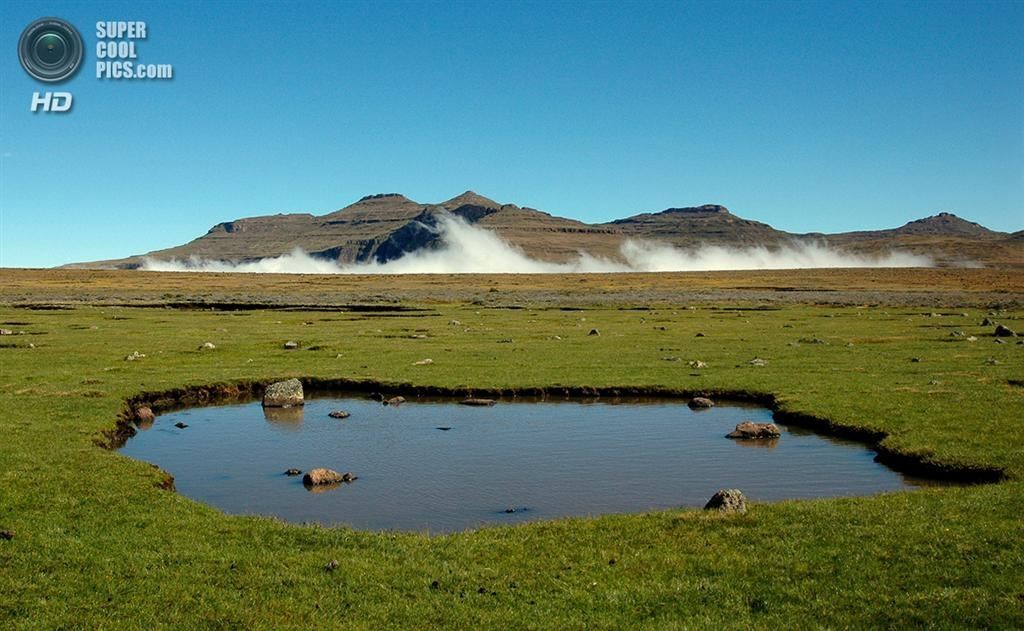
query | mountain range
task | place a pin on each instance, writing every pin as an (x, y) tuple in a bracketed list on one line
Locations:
[(385, 226)]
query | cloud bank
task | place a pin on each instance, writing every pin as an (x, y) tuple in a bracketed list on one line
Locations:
[(468, 249)]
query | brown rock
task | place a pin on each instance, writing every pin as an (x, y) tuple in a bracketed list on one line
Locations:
[(395, 401), (751, 430), (144, 415), (320, 476), (728, 501), (284, 394), (701, 403)]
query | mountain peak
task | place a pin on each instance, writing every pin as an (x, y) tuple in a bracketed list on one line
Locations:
[(470, 198), (943, 223), (388, 196), (707, 209)]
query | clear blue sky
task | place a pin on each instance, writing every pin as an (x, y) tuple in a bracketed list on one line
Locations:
[(810, 116)]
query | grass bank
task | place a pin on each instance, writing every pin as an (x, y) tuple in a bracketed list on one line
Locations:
[(97, 542)]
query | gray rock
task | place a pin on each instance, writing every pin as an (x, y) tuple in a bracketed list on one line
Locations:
[(701, 403), (750, 430), (594, 332), (284, 394), (757, 361), (339, 414), (395, 401), (290, 345), (207, 346), (1002, 331), (728, 501), (293, 471)]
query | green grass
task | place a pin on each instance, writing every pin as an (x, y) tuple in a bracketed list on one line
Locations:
[(98, 544)]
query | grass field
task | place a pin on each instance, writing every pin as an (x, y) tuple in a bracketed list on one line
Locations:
[(98, 543)]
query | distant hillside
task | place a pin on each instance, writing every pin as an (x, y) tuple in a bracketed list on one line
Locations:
[(386, 226)]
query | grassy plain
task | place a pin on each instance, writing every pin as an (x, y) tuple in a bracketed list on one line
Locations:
[(97, 543)]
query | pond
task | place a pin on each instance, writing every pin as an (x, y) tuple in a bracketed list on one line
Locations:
[(432, 465)]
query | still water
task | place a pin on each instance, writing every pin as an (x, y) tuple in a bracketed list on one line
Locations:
[(540, 458)]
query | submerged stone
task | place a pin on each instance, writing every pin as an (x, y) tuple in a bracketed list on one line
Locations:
[(477, 402)]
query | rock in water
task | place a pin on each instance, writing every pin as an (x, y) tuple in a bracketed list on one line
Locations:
[(477, 402), (750, 430), (701, 403), (1002, 331), (339, 414), (395, 401), (728, 501), (144, 415), (283, 394), (293, 471), (322, 476)]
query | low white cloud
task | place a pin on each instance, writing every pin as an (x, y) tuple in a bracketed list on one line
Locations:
[(468, 249)]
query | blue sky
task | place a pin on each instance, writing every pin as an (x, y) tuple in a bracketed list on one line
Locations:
[(809, 116)]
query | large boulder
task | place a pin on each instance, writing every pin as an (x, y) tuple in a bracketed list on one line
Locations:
[(728, 501), (750, 429), (284, 394)]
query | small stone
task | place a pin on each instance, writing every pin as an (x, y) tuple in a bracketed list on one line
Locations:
[(418, 336), (423, 362), (751, 431), (473, 401), (339, 414), (207, 346), (987, 322), (757, 361), (293, 472), (594, 332), (454, 323), (443, 429), (697, 364), (699, 335), (971, 338), (510, 509), (812, 340), (323, 475), (6, 535), (6, 332), (701, 403), (728, 501), (999, 340), (144, 415), (915, 360), (284, 394), (291, 345), (934, 382), (395, 401), (181, 425), (1002, 331), (135, 356), (992, 361), (331, 565), (957, 334)]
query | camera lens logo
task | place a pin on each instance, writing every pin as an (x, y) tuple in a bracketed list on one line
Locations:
[(50, 49)]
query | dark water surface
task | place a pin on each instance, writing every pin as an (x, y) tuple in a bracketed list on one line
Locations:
[(544, 458)]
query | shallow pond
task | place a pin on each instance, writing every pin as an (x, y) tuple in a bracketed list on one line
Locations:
[(539, 459)]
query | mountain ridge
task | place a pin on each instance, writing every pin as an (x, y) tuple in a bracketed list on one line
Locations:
[(383, 226)]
